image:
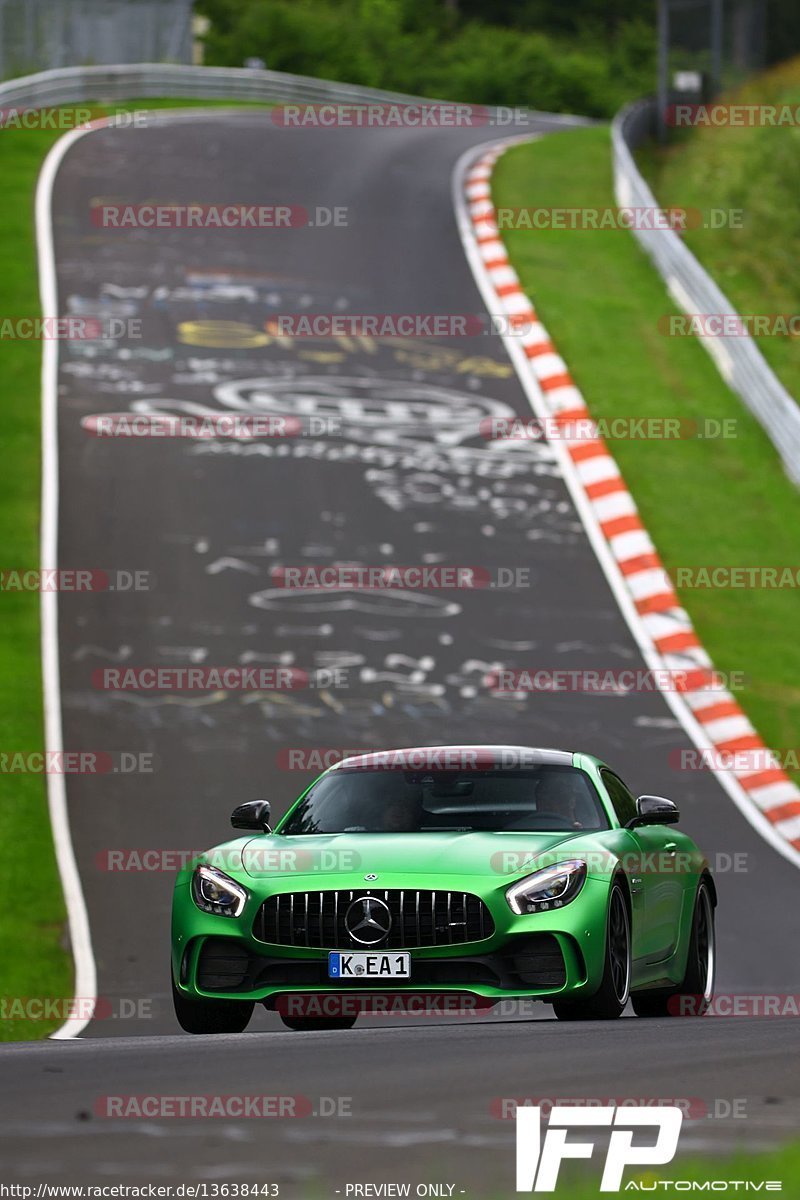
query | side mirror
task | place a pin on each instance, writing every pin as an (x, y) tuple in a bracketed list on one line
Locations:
[(654, 810), (254, 814)]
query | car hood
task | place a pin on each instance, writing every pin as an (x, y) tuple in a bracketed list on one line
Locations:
[(442, 854)]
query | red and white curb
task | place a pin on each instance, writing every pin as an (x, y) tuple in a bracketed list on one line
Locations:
[(714, 720)]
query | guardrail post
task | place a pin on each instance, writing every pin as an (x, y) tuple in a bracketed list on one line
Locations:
[(663, 68)]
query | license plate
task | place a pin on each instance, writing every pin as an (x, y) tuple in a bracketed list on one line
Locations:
[(363, 965)]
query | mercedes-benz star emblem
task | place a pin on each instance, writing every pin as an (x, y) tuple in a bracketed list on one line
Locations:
[(368, 920), (370, 877)]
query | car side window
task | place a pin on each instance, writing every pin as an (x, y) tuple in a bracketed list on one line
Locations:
[(623, 801)]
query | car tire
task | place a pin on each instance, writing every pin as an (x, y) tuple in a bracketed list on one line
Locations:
[(693, 995), (211, 1016), (309, 1024), (611, 997)]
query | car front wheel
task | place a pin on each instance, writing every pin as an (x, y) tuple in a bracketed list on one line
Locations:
[(611, 997)]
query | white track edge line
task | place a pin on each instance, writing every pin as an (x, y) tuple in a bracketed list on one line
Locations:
[(85, 985)]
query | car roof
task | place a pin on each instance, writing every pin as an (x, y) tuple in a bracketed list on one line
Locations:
[(455, 756)]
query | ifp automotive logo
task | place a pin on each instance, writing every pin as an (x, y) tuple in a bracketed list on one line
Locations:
[(539, 1159)]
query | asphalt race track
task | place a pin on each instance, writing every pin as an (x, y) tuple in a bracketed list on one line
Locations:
[(404, 478)]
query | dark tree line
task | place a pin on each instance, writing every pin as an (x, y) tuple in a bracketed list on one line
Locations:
[(585, 56)]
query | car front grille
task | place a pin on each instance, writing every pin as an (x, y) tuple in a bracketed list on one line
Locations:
[(418, 918)]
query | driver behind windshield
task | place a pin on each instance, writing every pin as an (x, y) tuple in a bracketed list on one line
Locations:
[(561, 794), (402, 814)]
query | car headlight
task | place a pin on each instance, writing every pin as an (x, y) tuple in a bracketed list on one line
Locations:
[(552, 887), (216, 892)]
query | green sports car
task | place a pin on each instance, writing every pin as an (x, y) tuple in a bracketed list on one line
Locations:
[(469, 874)]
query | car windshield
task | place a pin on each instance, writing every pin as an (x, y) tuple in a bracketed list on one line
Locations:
[(362, 800)]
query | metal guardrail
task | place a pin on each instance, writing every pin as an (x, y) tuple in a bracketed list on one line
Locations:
[(122, 82), (738, 358)]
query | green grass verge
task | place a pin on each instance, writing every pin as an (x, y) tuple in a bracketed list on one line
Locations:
[(756, 171), (722, 501), (34, 951)]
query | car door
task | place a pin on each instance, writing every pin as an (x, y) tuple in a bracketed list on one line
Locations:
[(656, 888)]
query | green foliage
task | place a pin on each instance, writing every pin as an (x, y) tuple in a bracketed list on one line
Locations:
[(423, 47), (755, 171)]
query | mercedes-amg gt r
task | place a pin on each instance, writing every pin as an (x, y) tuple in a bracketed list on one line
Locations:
[(474, 872)]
